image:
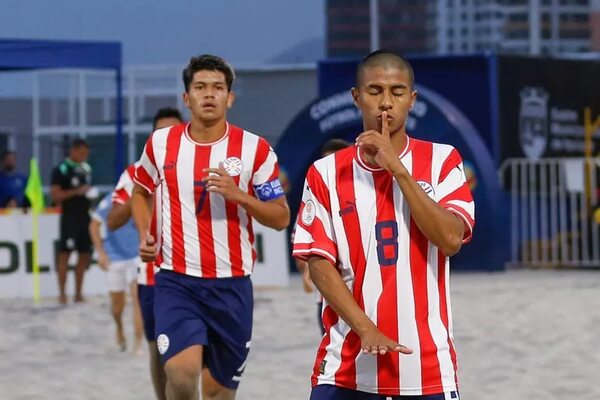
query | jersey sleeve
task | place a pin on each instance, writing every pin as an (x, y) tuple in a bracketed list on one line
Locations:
[(265, 178), (453, 192), (146, 171), (313, 233), (122, 191)]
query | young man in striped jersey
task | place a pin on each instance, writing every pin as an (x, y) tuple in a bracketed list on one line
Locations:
[(214, 179), (377, 224), (118, 216)]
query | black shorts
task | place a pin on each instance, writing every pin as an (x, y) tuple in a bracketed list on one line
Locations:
[(75, 234)]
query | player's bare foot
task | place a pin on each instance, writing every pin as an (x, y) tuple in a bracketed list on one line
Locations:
[(62, 299), (138, 349), (79, 299), (121, 341)]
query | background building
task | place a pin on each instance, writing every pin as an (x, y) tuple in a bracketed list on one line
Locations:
[(462, 26), (595, 24)]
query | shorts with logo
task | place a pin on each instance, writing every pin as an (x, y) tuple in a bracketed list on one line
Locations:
[(146, 300), (330, 392), (215, 313), (75, 234), (121, 274)]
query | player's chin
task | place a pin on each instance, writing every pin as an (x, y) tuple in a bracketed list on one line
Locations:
[(210, 114)]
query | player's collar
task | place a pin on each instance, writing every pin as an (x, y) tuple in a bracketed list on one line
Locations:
[(186, 133), (375, 168), (71, 163)]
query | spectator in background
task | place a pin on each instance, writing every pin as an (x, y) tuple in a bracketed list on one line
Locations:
[(12, 182), (70, 182)]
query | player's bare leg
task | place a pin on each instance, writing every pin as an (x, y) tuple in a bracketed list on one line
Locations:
[(183, 374), (83, 261), (213, 390), (61, 270), (138, 324), (117, 302), (157, 372)]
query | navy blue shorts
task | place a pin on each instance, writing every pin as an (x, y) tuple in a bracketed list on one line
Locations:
[(214, 313), (146, 300), (330, 392)]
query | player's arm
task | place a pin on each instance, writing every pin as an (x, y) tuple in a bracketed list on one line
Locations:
[(272, 213), (302, 267), (442, 227), (141, 209), (118, 215), (94, 229), (58, 194), (338, 296)]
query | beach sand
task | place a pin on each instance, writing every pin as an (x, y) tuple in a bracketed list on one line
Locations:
[(520, 334)]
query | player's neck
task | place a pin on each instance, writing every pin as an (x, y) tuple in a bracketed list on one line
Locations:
[(207, 132), (399, 140)]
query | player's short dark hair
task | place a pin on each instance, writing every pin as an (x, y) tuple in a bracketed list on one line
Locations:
[(385, 58), (207, 62), (333, 145), (6, 153), (79, 142), (166, 112)]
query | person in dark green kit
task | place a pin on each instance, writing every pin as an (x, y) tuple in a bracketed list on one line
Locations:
[(71, 181)]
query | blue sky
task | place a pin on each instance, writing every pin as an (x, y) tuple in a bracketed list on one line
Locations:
[(170, 31)]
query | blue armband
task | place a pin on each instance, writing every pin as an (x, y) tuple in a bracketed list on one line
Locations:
[(269, 190)]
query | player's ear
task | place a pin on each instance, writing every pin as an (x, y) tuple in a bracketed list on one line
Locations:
[(413, 98), (186, 99), (230, 98), (354, 92)]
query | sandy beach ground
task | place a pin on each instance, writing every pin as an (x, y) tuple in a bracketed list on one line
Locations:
[(520, 334)]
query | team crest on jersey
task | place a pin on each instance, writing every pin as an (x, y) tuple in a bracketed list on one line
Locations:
[(426, 186), (308, 213), (233, 166), (162, 342)]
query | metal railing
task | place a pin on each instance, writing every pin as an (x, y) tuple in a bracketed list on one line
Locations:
[(552, 212)]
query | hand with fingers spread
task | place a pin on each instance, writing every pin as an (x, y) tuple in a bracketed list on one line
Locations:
[(148, 248), (218, 181), (374, 342), (378, 148)]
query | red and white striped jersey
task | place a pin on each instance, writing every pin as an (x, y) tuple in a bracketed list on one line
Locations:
[(357, 218), (121, 195), (204, 235)]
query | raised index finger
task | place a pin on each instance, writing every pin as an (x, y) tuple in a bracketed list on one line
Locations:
[(384, 124)]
